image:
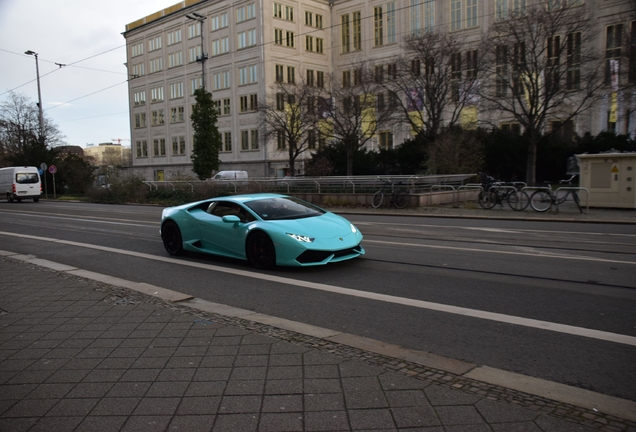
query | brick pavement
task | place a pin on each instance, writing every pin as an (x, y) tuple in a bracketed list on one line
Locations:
[(80, 355)]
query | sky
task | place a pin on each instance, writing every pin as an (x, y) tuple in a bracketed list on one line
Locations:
[(88, 98)]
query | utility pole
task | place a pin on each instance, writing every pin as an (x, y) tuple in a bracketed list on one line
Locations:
[(37, 71), (204, 56)]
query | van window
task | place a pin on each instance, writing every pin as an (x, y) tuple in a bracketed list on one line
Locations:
[(27, 178)]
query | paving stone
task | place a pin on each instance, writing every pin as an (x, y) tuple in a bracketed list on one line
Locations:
[(204, 405), (458, 415), (240, 404), (371, 419), (499, 412), (205, 388), (551, 424), (327, 421), (324, 402), (48, 424), (406, 398), (281, 422), (439, 395), (101, 424), (192, 423), (236, 422), (284, 403), (415, 417), (366, 399), (146, 423)]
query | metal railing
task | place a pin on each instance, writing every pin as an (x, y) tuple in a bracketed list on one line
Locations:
[(288, 185)]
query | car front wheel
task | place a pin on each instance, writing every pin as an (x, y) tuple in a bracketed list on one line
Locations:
[(260, 251), (171, 236)]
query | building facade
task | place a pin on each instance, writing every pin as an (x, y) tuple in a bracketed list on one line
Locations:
[(237, 50)]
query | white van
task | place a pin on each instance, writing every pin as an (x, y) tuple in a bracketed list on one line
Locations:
[(230, 175), (17, 183)]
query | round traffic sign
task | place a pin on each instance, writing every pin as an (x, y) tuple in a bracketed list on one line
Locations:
[(52, 169)]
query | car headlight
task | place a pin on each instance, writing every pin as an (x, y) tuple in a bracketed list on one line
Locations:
[(301, 238), (353, 229)]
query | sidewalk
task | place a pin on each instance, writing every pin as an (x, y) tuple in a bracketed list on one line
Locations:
[(77, 354)]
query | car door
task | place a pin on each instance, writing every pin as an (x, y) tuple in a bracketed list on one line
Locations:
[(227, 238)]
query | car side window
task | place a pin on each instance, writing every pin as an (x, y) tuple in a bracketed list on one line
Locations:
[(231, 209)]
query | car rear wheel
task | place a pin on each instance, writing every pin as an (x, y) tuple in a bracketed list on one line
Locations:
[(171, 236), (260, 251)]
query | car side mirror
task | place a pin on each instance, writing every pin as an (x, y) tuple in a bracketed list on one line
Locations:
[(231, 219)]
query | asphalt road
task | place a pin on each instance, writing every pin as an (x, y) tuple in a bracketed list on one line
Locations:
[(545, 299)]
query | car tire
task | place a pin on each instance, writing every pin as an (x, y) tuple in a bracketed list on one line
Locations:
[(9, 198), (36, 199), (172, 240), (260, 250)]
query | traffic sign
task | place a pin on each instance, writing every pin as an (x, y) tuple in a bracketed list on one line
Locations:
[(52, 169)]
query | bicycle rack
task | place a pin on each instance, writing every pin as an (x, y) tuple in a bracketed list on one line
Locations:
[(571, 188), (467, 187)]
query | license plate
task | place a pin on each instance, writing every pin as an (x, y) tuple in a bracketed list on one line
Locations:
[(22, 192)]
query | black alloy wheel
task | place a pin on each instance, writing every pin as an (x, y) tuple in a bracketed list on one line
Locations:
[(260, 251), (171, 236)]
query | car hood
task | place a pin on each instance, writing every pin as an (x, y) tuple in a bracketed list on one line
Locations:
[(324, 226)]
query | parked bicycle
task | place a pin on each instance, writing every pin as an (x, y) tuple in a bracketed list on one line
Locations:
[(543, 199), (497, 192), (399, 196)]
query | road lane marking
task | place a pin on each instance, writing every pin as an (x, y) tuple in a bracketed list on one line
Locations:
[(456, 310), (541, 254)]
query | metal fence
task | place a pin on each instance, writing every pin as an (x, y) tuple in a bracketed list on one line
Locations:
[(289, 185)]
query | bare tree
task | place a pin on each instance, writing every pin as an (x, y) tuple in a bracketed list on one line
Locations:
[(20, 130), (289, 117), (540, 66), (433, 81), (356, 108)]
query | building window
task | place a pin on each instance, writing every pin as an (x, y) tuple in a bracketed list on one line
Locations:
[(156, 65), (289, 13), (221, 80), (227, 109), (159, 146), (281, 142), (254, 139), (194, 30), (456, 14), (378, 30), (573, 80), (142, 148), (278, 36), (391, 71), (278, 10), (175, 59), (379, 73), (194, 53), (154, 43), (140, 120), (320, 79), (553, 47), (280, 73), (139, 97), (345, 34), (157, 117), (471, 64), (416, 67), (357, 77), (511, 127), (471, 13), (248, 103), (309, 43), (156, 94), (391, 35), (178, 145), (247, 75), (613, 45), (221, 46), (501, 65), (176, 90), (318, 21), (138, 70), (174, 37), (195, 84), (227, 141), (386, 140), (310, 78), (137, 49), (429, 15), (357, 31), (319, 45), (280, 101), (291, 75), (506, 9), (289, 41), (346, 78), (177, 115)]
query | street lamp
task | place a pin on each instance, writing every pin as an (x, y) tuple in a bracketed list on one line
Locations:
[(203, 57), (37, 71)]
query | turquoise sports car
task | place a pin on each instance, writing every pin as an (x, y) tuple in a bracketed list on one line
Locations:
[(264, 229)]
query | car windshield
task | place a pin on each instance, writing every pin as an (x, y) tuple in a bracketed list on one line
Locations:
[(283, 208)]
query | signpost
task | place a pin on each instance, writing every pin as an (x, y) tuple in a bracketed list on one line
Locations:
[(43, 168), (53, 170)]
